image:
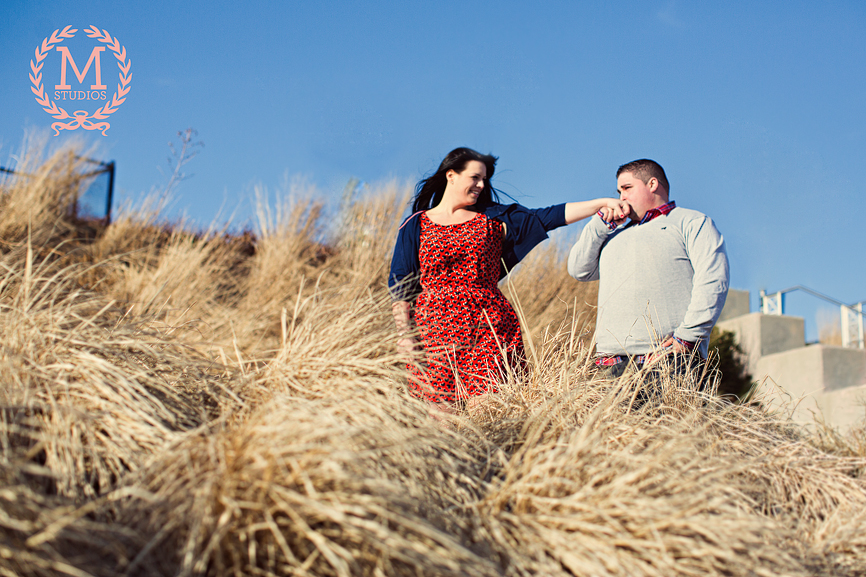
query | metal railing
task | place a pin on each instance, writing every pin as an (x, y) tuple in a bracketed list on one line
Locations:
[(851, 314), (86, 206)]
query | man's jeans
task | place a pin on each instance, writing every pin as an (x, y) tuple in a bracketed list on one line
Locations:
[(658, 370)]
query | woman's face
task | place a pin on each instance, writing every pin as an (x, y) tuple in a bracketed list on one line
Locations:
[(468, 184)]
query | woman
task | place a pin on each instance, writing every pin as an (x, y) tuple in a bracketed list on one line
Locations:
[(450, 255)]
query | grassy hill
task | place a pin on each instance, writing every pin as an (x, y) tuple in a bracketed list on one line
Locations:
[(183, 403)]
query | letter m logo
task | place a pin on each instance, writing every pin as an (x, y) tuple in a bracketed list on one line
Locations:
[(67, 57)]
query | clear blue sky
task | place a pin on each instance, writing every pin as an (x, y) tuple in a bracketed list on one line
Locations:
[(755, 109)]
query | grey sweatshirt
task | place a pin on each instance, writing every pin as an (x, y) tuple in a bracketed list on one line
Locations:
[(668, 276)]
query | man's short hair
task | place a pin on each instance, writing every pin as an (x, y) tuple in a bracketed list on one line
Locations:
[(646, 169)]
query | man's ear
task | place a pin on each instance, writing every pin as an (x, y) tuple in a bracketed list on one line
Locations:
[(653, 184)]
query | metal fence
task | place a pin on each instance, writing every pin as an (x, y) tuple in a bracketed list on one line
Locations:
[(96, 190), (851, 314)]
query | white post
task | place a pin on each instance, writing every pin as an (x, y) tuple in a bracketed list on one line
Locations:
[(859, 309), (852, 326), (846, 326), (772, 304)]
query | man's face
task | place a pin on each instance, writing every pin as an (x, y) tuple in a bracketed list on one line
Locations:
[(639, 195)]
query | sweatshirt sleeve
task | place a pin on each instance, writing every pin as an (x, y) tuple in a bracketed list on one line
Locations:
[(403, 279), (584, 256), (706, 251)]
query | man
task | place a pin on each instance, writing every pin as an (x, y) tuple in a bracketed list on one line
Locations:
[(663, 275)]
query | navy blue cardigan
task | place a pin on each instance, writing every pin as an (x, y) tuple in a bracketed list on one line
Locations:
[(524, 229)]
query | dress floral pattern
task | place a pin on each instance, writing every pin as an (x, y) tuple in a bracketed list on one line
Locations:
[(468, 328)]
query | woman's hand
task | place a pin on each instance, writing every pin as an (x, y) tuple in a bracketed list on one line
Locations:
[(615, 210), (408, 345)]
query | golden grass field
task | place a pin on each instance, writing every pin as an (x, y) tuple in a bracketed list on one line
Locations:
[(211, 404)]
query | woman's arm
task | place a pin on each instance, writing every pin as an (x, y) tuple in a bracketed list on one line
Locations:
[(405, 266), (403, 321), (403, 280), (614, 209), (525, 227)]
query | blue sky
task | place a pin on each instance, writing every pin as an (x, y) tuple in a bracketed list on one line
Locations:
[(755, 109)]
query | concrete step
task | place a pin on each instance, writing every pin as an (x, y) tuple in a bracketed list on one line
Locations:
[(816, 379), (760, 335)]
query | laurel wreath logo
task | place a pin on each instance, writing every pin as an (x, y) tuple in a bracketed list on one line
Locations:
[(81, 118)]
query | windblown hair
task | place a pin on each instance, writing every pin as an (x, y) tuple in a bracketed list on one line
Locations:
[(429, 191), (646, 169)]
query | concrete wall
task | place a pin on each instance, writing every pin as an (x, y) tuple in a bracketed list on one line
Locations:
[(816, 380), (736, 305), (823, 381), (843, 367), (843, 408), (807, 370), (760, 335)]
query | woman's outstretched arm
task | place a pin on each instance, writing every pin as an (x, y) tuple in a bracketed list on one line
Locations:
[(613, 209)]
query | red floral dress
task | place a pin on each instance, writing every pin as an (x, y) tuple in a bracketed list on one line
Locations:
[(468, 328)]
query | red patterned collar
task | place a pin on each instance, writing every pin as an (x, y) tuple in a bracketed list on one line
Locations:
[(658, 211)]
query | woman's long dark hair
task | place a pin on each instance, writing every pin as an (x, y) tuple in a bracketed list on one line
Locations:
[(429, 191)]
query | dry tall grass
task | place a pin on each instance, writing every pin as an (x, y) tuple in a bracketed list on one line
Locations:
[(179, 403), (829, 327)]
